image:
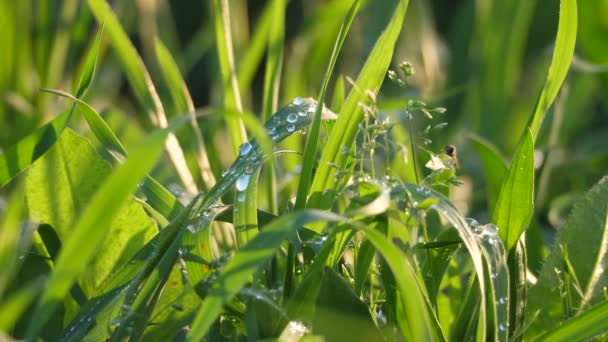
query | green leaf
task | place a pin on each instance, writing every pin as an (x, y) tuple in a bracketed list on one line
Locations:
[(585, 239), (246, 262), (232, 96), (494, 168), (589, 324), (86, 77), (59, 187), (338, 305), (92, 225), (562, 56), (345, 130), (515, 204), (142, 85), (21, 155)]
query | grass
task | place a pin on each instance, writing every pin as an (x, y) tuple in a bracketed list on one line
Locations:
[(167, 212)]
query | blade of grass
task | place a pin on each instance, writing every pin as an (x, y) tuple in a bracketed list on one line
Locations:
[(181, 97), (89, 229), (312, 142), (345, 130), (515, 203), (272, 80), (560, 63), (244, 264), (591, 323), (142, 85), (88, 70), (232, 97)]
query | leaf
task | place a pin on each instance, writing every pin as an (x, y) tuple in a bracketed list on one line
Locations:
[(21, 155), (142, 85), (89, 230), (86, 77), (591, 323), (585, 239), (338, 305), (245, 262), (232, 95), (515, 204), (345, 130), (560, 63), (59, 187)]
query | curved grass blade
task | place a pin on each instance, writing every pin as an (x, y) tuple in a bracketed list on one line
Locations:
[(232, 96), (142, 85), (560, 63), (246, 262), (482, 246), (183, 102), (105, 310), (343, 134), (589, 324), (272, 80), (90, 228), (515, 203), (86, 78), (20, 156), (312, 142)]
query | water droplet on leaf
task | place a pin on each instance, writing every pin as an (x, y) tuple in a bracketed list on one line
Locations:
[(292, 118), (297, 101)]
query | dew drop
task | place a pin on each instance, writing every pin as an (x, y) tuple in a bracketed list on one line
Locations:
[(291, 128), (302, 113), (292, 118), (242, 182), (245, 149), (240, 197), (191, 228), (297, 101), (272, 131), (503, 326), (312, 109), (226, 172), (493, 275), (303, 131), (502, 300)]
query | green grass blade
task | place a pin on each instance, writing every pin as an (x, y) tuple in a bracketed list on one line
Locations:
[(246, 208), (345, 130), (183, 102), (272, 80), (591, 323), (562, 56), (515, 204), (420, 321), (313, 139), (232, 96), (246, 262), (20, 156), (86, 77), (494, 168), (90, 228), (98, 126), (142, 85)]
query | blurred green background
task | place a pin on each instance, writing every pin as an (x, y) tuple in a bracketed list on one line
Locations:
[(484, 60)]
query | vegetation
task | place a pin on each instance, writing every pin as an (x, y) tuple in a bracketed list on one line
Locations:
[(303, 170)]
